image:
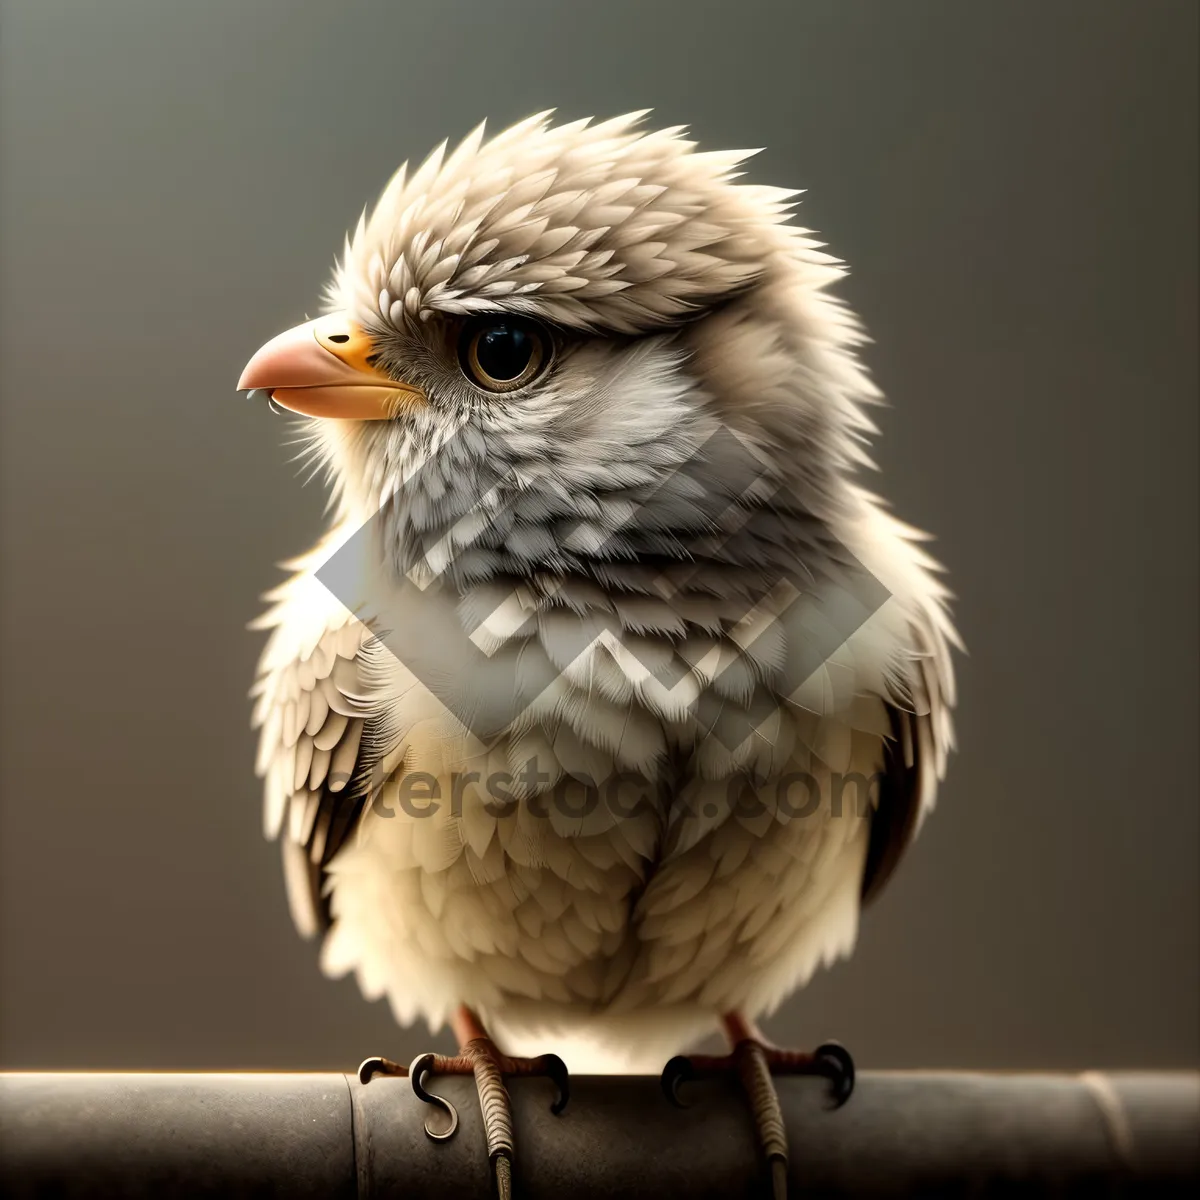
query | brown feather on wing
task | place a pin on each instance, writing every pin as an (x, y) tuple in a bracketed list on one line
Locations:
[(915, 756)]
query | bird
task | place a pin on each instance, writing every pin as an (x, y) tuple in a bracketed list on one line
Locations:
[(611, 694)]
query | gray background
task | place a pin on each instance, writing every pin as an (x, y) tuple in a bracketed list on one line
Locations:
[(1015, 185)]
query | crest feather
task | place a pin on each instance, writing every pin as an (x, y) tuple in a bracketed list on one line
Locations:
[(598, 226)]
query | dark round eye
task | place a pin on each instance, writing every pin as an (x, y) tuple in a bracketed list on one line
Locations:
[(503, 353)]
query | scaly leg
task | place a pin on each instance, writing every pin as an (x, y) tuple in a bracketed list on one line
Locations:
[(477, 1056), (755, 1060)]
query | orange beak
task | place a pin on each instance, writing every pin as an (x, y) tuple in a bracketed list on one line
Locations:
[(323, 369)]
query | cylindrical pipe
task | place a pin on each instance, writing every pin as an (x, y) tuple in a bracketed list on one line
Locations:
[(328, 1136)]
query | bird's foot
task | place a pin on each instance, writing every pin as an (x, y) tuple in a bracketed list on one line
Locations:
[(755, 1061), (479, 1057), (830, 1060)]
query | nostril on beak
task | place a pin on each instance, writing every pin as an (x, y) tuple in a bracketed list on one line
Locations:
[(339, 337)]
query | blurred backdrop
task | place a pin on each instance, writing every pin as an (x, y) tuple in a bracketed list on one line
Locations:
[(1015, 186)]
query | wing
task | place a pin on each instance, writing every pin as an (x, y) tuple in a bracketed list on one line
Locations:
[(915, 758), (317, 736)]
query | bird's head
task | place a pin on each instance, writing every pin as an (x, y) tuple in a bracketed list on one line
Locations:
[(568, 313)]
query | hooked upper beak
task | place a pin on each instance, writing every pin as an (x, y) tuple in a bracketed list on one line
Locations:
[(323, 368)]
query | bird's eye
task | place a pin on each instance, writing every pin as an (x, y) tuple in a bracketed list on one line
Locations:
[(502, 354)]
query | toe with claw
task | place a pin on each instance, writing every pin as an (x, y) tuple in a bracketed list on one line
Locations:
[(478, 1057), (755, 1061), (830, 1060)]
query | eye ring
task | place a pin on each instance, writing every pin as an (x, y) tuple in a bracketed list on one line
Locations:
[(500, 353)]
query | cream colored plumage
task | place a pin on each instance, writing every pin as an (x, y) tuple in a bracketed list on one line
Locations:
[(685, 304)]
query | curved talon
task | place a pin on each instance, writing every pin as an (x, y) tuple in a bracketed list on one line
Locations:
[(369, 1068), (419, 1068), (378, 1065), (678, 1070), (556, 1070), (837, 1066)]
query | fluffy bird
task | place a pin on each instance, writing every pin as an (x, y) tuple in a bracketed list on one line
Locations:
[(627, 695)]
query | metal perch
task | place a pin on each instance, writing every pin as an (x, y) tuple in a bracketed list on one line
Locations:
[(325, 1135)]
